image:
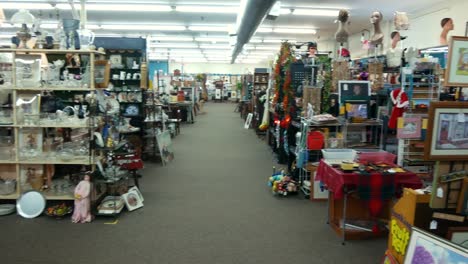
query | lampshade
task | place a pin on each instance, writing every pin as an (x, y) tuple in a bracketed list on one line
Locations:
[(2, 16), (22, 17)]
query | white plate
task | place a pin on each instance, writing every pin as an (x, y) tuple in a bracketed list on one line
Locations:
[(6, 209), (31, 204)]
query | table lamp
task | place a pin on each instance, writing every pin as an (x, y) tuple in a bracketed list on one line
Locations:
[(24, 18), (2, 16)]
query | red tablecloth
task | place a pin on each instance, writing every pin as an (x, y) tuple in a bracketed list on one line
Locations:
[(335, 179)]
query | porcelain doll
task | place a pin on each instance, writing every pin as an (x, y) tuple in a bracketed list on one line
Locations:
[(401, 20), (82, 210)]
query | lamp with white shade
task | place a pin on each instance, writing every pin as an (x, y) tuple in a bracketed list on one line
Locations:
[(24, 18)]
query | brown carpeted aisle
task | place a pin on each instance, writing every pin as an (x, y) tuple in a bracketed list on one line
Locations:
[(210, 205)]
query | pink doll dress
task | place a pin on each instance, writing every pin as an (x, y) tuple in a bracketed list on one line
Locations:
[(82, 210)]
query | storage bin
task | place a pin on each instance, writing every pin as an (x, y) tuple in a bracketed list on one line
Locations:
[(339, 154)]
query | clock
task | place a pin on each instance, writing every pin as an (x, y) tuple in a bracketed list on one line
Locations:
[(132, 110)]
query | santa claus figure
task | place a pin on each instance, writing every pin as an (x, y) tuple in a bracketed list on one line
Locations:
[(400, 102)]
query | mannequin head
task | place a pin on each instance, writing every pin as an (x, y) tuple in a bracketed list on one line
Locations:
[(447, 23), (395, 36), (376, 17), (343, 16), (312, 49)]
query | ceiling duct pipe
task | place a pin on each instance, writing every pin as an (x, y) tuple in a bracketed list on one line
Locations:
[(253, 15)]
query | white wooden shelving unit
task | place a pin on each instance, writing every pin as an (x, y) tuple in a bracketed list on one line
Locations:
[(16, 161)]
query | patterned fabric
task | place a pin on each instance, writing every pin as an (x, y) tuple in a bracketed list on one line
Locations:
[(376, 188)]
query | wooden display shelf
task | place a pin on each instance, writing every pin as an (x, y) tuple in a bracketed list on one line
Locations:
[(7, 161), (75, 161), (79, 89), (12, 196), (53, 51), (54, 126), (58, 197)]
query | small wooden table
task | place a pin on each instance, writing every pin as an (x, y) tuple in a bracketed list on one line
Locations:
[(344, 204)]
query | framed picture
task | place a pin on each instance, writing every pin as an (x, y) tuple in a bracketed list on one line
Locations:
[(248, 120), (458, 235), (137, 191), (132, 200), (389, 259), (357, 109), (28, 70), (115, 61), (447, 131), (427, 248), (462, 204), (165, 146), (31, 176), (409, 127), (101, 73), (457, 68), (353, 90)]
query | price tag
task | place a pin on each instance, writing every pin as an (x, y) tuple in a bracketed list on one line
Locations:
[(433, 225), (345, 87), (461, 118), (440, 192)]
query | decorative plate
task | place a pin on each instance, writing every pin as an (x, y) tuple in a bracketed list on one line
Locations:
[(132, 110)]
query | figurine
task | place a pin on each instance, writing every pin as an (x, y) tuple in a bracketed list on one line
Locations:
[(375, 19), (82, 210)]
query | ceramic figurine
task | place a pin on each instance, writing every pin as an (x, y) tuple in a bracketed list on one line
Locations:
[(82, 210)]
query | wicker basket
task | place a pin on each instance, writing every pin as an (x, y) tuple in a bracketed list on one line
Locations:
[(7, 187)]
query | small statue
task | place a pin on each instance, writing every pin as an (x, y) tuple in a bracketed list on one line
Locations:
[(82, 210), (341, 35), (447, 25), (375, 19)]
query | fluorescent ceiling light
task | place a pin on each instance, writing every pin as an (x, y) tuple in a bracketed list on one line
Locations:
[(170, 38), (209, 28), (222, 47), (278, 40), (250, 48), (264, 30), (166, 50), (144, 27), (174, 45), (315, 12), (220, 39), (208, 9), (91, 7), (295, 30)]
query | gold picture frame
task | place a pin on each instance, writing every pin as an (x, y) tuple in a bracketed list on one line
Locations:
[(456, 73)]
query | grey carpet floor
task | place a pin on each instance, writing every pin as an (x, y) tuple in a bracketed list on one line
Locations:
[(210, 205)]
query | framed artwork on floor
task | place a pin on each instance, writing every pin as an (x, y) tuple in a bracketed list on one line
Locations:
[(458, 235), (427, 248), (457, 67), (132, 200), (447, 131), (165, 146)]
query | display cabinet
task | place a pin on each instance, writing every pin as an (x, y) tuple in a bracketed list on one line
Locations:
[(39, 142)]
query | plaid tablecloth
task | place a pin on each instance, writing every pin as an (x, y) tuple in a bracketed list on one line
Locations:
[(370, 185)]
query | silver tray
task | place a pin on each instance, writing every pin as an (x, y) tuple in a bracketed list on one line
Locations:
[(31, 204)]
